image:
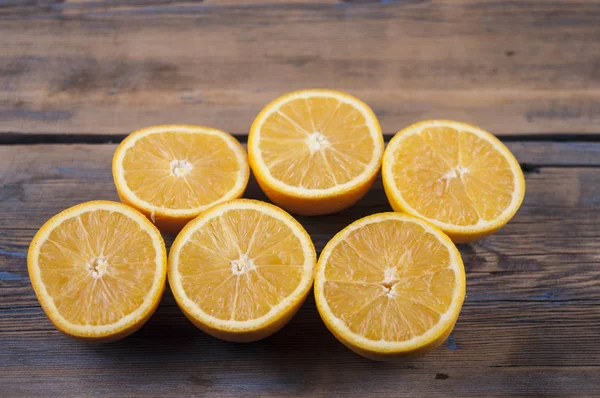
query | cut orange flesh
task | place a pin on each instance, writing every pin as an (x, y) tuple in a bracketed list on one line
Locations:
[(98, 270), (456, 176), (315, 151), (172, 173), (241, 270), (390, 286)]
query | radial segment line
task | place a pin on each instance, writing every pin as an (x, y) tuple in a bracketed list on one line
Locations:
[(310, 116), (278, 265), (385, 316), (368, 303), (214, 289), (86, 237), (233, 237), (90, 300), (235, 299), (407, 324), (267, 282), (109, 293), (292, 121), (281, 160), (434, 151), (73, 287), (347, 157), (304, 173), (471, 203), (210, 250), (354, 283), (460, 134), (74, 253), (192, 190), (141, 170), (322, 153), (272, 246), (325, 125), (200, 273), (254, 233), (421, 303), (351, 246)]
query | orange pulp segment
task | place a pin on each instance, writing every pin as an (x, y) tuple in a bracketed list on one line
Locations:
[(390, 286), (241, 270), (315, 151), (454, 175), (98, 270), (172, 173)]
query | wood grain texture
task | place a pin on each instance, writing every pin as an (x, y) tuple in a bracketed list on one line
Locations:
[(110, 67), (529, 327)]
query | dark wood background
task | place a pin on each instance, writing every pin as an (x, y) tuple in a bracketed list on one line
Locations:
[(77, 75)]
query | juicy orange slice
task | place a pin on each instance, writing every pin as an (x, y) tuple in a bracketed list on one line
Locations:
[(390, 286), (172, 173), (456, 176), (241, 270), (98, 270), (315, 151)]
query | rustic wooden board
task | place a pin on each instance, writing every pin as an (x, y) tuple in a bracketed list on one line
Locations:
[(109, 67), (530, 325)]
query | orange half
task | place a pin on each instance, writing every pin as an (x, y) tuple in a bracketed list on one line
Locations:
[(315, 151), (241, 270), (390, 286), (457, 176), (172, 173), (98, 270)]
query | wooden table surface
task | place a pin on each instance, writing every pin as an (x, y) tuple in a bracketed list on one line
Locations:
[(77, 75)]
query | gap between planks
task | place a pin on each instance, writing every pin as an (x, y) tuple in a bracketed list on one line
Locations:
[(10, 138)]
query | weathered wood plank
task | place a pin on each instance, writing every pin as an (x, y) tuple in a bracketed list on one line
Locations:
[(168, 354), (110, 67), (504, 349), (553, 227), (305, 379), (529, 327), (532, 293), (544, 153)]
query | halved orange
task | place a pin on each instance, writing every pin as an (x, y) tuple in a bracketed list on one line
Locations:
[(454, 175), (241, 270), (98, 270), (315, 151), (172, 173), (390, 286)]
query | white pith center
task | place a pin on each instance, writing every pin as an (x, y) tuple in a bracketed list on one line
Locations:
[(97, 267), (389, 280), (181, 167), (317, 141), (242, 265), (455, 172)]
